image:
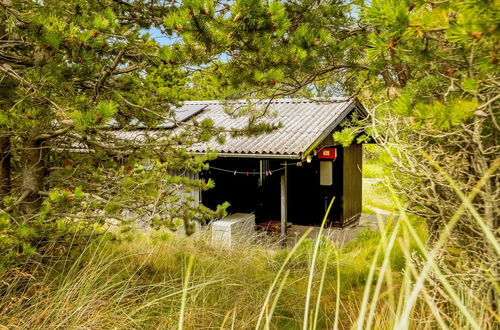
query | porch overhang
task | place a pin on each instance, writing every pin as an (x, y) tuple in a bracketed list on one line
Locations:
[(255, 156)]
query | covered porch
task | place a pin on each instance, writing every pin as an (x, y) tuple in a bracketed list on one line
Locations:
[(288, 190)]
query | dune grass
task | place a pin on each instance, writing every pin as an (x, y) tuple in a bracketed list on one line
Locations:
[(189, 283), (389, 279)]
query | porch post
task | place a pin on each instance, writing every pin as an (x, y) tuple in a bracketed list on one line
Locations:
[(284, 205)]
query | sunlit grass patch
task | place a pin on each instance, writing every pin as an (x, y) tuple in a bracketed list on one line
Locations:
[(376, 195), (373, 169)]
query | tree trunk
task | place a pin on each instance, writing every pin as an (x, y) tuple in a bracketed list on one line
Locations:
[(5, 183), (33, 176)]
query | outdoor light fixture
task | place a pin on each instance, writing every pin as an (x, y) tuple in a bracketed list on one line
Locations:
[(308, 158)]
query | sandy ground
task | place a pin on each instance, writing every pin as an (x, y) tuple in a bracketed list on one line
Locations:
[(340, 236)]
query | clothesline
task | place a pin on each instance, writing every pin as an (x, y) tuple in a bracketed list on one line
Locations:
[(235, 172), (265, 171)]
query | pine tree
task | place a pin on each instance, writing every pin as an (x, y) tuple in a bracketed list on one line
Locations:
[(70, 73), (438, 65), (255, 48)]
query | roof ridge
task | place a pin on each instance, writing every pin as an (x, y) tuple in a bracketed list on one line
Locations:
[(277, 100)]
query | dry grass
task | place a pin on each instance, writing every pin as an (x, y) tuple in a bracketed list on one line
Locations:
[(384, 280), (143, 284)]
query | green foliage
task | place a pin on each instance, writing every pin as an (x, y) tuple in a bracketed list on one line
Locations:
[(437, 66), (345, 137), (280, 22), (74, 73), (351, 130), (104, 111), (444, 116), (252, 46)]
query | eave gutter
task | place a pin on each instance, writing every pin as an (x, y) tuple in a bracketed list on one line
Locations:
[(238, 155)]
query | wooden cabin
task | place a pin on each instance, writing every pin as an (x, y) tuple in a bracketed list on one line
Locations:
[(290, 174)]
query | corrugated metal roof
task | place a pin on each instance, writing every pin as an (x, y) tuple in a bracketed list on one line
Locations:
[(305, 122)]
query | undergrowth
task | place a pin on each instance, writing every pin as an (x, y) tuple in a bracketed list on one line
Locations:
[(144, 283), (384, 279)]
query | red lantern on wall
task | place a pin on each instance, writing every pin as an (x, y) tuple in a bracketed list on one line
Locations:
[(327, 153)]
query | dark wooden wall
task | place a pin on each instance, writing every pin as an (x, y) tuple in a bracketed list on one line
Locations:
[(352, 180), (241, 191), (307, 199)]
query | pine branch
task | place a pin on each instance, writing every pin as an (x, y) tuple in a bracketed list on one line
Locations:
[(7, 69), (47, 136), (13, 58), (129, 68), (108, 70)]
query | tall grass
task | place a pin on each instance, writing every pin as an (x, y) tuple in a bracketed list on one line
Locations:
[(382, 280)]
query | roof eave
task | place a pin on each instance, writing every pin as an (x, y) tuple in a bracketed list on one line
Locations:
[(331, 127), (248, 155)]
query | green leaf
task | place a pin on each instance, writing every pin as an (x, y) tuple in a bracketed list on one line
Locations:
[(25, 231), (4, 118), (79, 120), (52, 38), (78, 192), (110, 15), (106, 109)]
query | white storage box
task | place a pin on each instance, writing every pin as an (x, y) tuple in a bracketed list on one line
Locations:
[(233, 228)]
